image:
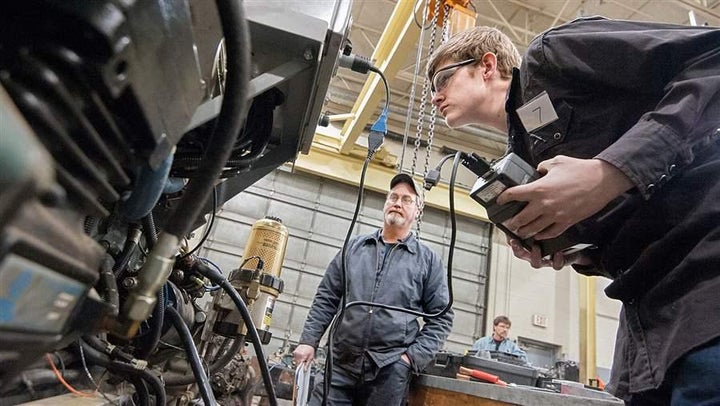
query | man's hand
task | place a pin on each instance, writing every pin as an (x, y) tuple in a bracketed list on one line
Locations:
[(406, 359), (534, 257), (303, 353), (569, 191)]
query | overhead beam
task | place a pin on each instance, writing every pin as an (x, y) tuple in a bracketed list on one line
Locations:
[(690, 5), (505, 21), (324, 161), (396, 42), (559, 14)]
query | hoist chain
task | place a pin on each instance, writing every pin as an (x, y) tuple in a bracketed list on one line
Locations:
[(433, 110)]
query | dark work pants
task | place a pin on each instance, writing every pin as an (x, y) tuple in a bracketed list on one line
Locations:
[(387, 386), (694, 381)]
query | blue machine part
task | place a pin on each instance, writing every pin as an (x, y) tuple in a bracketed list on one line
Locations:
[(34, 298)]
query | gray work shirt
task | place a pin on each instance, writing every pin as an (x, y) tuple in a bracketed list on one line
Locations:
[(411, 277)]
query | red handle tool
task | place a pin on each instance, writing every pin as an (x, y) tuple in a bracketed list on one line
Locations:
[(483, 376)]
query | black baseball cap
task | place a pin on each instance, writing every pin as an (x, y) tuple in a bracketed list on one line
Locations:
[(404, 178)]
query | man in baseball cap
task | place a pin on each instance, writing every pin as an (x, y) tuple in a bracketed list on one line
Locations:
[(375, 349)]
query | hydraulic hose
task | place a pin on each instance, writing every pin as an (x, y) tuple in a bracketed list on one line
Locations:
[(97, 357), (192, 354), (108, 285), (149, 342), (181, 380), (237, 44), (219, 279)]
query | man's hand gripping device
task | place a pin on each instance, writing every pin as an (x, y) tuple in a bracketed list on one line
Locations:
[(509, 171)]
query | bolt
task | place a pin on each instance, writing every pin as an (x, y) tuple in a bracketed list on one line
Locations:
[(200, 317), (178, 275), (129, 283), (308, 55)]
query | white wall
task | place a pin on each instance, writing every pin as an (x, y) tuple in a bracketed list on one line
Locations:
[(518, 291)]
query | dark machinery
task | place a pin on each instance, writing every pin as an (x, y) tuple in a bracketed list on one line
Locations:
[(122, 123)]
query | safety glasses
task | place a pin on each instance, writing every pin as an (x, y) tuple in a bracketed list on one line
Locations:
[(440, 78)]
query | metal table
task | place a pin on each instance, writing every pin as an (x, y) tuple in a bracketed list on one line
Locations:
[(428, 390)]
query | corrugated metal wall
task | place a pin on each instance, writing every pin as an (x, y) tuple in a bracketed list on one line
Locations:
[(317, 213)]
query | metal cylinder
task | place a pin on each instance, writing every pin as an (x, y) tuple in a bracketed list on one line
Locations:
[(267, 240), (259, 286)]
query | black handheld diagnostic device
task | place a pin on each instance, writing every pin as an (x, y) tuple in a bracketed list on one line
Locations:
[(509, 171)]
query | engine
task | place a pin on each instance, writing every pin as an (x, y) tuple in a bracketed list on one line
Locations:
[(122, 124)]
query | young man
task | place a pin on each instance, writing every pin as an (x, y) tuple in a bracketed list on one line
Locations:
[(498, 340), (376, 349), (623, 112)]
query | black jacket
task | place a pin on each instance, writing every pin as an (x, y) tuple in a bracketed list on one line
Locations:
[(644, 97), (411, 276)]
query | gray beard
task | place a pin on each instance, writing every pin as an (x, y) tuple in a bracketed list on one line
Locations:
[(395, 219)]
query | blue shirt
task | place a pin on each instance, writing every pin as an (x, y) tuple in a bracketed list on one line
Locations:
[(506, 345)]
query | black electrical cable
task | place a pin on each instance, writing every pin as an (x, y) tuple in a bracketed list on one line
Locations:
[(338, 318), (237, 45), (218, 364), (387, 88), (192, 354), (219, 279), (209, 227), (375, 140)]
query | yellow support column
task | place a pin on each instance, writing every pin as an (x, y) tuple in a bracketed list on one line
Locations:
[(397, 41), (588, 350)]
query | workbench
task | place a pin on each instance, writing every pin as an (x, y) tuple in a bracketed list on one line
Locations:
[(429, 390)]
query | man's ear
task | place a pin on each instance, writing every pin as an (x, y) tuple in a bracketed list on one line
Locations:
[(489, 64)]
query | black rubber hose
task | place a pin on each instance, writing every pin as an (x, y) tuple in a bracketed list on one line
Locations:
[(131, 243), (108, 285), (141, 390), (217, 278), (97, 357), (148, 343), (181, 380), (230, 120), (40, 377), (148, 224), (254, 337), (157, 386), (193, 357)]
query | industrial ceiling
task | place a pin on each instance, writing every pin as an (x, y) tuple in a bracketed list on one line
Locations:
[(520, 20)]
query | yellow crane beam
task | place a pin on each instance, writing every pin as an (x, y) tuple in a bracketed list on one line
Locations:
[(397, 41)]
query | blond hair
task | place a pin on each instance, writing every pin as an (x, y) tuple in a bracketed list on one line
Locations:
[(473, 44)]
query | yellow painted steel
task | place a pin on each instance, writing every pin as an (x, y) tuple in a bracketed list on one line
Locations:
[(588, 350), (324, 160), (398, 39)]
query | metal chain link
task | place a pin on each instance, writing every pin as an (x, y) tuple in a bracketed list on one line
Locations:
[(433, 111), (421, 115), (424, 94)]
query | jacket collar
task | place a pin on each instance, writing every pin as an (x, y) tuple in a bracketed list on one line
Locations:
[(516, 131), (410, 242)]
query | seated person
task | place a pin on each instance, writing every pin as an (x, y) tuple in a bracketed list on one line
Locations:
[(498, 340)]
